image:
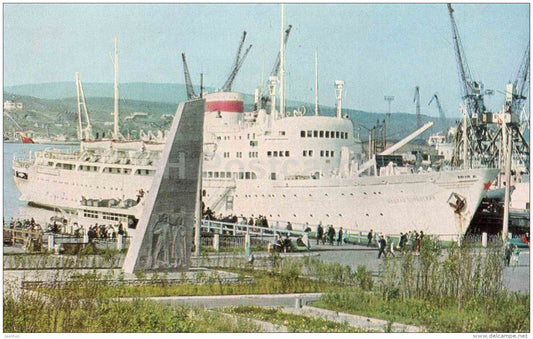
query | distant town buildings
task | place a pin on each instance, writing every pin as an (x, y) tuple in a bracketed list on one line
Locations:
[(12, 105)]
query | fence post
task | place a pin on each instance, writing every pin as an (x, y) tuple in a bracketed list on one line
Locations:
[(247, 246), (216, 242), (119, 242), (484, 239), (50, 242)]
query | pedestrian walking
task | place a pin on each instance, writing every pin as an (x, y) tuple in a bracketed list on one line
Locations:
[(319, 233), (339, 237), (508, 252), (370, 236), (516, 255), (382, 247)]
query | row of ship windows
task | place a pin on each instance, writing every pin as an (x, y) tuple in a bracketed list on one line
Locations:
[(112, 170), (276, 154), (281, 154), (229, 175), (105, 215), (324, 134), (327, 154)]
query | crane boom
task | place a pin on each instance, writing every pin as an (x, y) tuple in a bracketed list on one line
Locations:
[(407, 139), (275, 69), (521, 84), (417, 101), (236, 65), (188, 83), (442, 116), (472, 91)]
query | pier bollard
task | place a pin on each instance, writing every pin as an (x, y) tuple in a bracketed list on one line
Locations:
[(119, 242), (50, 242), (216, 242), (484, 239)]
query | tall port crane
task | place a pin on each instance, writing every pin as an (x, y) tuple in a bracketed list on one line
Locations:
[(188, 83), (417, 101), (442, 115), (516, 98), (236, 65), (472, 91), (481, 138)]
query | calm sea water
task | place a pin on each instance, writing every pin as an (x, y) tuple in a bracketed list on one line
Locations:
[(12, 206)]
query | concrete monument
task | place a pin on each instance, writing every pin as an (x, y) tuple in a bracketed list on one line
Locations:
[(164, 235)]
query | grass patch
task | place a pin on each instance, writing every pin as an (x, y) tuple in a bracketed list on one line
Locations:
[(293, 322)]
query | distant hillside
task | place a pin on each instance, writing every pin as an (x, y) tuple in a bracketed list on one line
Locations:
[(49, 102), (169, 93)]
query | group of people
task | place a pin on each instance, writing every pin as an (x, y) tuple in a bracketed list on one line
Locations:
[(512, 252), (411, 240), (28, 224), (100, 232), (328, 235), (260, 220)]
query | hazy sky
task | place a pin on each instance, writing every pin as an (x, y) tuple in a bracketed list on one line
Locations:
[(377, 49)]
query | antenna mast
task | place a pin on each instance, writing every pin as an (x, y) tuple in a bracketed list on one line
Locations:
[(282, 67), (115, 109), (316, 82)]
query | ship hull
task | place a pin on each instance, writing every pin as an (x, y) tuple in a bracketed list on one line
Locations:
[(393, 204)]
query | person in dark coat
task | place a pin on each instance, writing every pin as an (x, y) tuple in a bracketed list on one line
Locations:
[(370, 236), (319, 233), (507, 254), (339, 237), (382, 247), (331, 234)]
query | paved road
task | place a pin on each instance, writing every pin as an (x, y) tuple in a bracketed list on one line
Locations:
[(515, 278)]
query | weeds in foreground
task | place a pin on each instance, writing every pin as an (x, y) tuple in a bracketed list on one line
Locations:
[(457, 291)]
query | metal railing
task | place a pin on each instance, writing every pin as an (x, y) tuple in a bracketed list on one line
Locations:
[(237, 229)]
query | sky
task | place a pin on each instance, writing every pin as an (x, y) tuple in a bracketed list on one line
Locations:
[(377, 49)]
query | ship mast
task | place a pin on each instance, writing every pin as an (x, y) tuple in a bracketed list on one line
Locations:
[(282, 67), (115, 106), (316, 82)]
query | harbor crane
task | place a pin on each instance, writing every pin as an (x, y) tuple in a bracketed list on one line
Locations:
[(265, 95), (236, 65), (516, 99), (417, 101), (191, 95), (442, 115), (472, 91)]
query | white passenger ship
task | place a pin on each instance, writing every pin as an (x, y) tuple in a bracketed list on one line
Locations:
[(295, 167), (298, 167)]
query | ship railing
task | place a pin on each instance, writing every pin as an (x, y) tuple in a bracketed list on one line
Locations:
[(26, 163), (239, 229)]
